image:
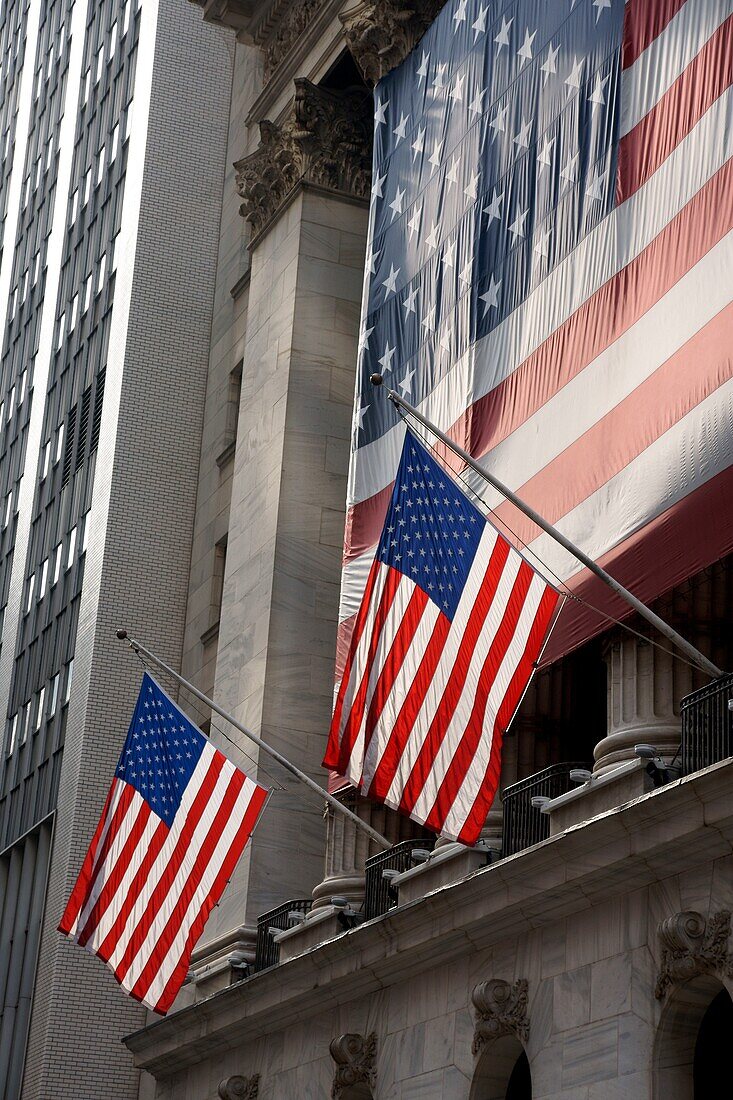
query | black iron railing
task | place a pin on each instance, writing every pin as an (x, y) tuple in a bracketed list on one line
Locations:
[(525, 824), (707, 725), (379, 894), (267, 952)]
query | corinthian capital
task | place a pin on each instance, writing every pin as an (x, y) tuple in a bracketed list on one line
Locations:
[(325, 141), (381, 33)]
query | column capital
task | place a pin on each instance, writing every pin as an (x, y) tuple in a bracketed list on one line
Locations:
[(381, 33), (324, 141)]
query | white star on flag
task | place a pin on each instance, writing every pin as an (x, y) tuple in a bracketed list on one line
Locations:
[(543, 156), (597, 97), (409, 302), (414, 222), (597, 184), (406, 384), (396, 204), (377, 186), (459, 16), (502, 38), (491, 297), (492, 209), (434, 157), (364, 338), (550, 65), (400, 130), (379, 112), (451, 175), (574, 79), (456, 91), (479, 24), (422, 71), (445, 340), (466, 273), (386, 359), (449, 256), (419, 143), (438, 82), (471, 188), (428, 320), (360, 414), (542, 240), (525, 50), (498, 122), (569, 169), (371, 261), (390, 283), (522, 138), (600, 6), (517, 226), (432, 238), (476, 105)]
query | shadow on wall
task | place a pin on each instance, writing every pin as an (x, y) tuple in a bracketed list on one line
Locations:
[(502, 1072)]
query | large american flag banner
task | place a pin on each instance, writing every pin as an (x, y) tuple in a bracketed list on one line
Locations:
[(548, 280), (176, 820), (446, 639)]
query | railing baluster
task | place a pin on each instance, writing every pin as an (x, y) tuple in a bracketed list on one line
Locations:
[(523, 824), (707, 725)]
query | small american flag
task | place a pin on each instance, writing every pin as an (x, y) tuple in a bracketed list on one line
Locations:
[(177, 818), (451, 624)]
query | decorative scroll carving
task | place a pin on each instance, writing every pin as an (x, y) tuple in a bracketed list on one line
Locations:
[(501, 1009), (239, 1088), (355, 1058), (293, 22), (691, 946), (381, 33), (326, 141)]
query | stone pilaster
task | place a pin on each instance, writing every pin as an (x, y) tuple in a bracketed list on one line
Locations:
[(325, 142), (381, 33)]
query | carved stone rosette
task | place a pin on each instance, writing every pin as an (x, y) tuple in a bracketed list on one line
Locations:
[(501, 1009), (692, 946), (355, 1057), (381, 33), (326, 141), (239, 1088)]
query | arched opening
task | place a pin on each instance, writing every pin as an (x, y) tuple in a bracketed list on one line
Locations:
[(502, 1072), (692, 1046)]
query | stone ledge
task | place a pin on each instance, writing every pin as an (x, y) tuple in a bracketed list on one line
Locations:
[(607, 791), (592, 861), (320, 926), (446, 865)]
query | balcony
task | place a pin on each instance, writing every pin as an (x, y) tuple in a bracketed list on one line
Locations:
[(267, 952), (524, 822), (707, 725), (380, 895)]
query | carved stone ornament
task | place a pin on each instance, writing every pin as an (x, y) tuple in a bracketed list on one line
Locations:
[(501, 1009), (239, 1088), (692, 946), (381, 33), (326, 141), (355, 1058), (293, 21)]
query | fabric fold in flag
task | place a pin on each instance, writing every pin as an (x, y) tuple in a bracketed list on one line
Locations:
[(176, 820), (445, 641)]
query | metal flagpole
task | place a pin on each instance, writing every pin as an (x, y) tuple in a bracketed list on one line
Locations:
[(659, 624), (334, 802)]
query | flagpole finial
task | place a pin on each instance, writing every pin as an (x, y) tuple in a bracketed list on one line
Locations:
[(375, 379), (122, 634)]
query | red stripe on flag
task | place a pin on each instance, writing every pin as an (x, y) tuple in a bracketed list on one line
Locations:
[(395, 659), (181, 901), (644, 20), (178, 975), (80, 891), (118, 816), (113, 880), (158, 895), (356, 713), (487, 790), (688, 537), (467, 746), (457, 678), (409, 710), (594, 327), (645, 148), (632, 426)]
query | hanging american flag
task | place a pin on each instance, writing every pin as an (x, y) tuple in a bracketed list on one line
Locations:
[(177, 818), (548, 280), (450, 627)]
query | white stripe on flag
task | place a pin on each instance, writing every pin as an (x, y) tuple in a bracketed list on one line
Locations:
[(114, 802)]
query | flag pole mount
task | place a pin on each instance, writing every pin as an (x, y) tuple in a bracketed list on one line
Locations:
[(664, 628), (339, 807)]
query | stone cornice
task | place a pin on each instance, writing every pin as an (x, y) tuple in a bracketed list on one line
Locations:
[(324, 141), (660, 833), (381, 33)]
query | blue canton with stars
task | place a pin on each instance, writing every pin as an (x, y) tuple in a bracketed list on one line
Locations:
[(495, 151), (161, 751), (432, 529)]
